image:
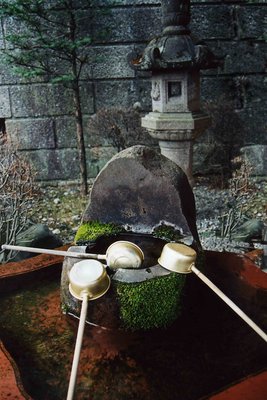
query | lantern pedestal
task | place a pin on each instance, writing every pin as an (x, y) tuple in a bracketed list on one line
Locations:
[(176, 133)]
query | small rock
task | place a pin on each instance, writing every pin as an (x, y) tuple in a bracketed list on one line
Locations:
[(56, 201), (250, 229), (37, 235)]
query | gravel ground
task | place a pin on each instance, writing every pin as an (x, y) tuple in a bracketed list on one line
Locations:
[(212, 204), (61, 208)]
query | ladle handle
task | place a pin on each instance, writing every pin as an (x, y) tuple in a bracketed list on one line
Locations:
[(54, 252), (230, 303), (78, 346)]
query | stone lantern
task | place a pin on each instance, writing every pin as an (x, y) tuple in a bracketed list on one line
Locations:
[(175, 60)]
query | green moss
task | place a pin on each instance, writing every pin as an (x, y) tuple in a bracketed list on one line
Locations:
[(93, 229), (151, 304), (167, 232)]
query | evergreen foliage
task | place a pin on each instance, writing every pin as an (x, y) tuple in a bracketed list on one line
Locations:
[(49, 39)]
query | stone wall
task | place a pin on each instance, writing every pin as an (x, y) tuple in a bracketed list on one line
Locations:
[(37, 114)]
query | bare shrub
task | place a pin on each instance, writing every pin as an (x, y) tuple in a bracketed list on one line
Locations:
[(16, 191), (240, 186), (121, 127)]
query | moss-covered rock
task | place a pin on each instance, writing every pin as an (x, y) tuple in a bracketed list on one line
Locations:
[(150, 300), (167, 232), (150, 304), (90, 231)]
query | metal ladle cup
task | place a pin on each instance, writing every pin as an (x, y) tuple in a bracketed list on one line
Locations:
[(124, 254), (177, 257), (88, 276)]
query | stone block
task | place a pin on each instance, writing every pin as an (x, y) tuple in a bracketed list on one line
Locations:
[(129, 24), (211, 21), (66, 133), (54, 164), (108, 62), (256, 90), (9, 77), (241, 57), (47, 100), (253, 120), (39, 100), (251, 21), (247, 94), (256, 156), (30, 134), (129, 2), (96, 159), (123, 93), (213, 88), (2, 43), (5, 110), (6, 75), (63, 164), (87, 97)]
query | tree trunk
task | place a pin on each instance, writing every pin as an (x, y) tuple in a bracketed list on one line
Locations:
[(80, 139)]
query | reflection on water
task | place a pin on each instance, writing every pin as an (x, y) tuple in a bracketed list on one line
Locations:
[(207, 348)]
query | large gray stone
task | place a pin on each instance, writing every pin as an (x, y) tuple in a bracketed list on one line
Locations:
[(140, 189), (251, 229), (256, 156), (39, 236)]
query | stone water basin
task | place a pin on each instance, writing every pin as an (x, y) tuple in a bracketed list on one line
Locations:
[(205, 350)]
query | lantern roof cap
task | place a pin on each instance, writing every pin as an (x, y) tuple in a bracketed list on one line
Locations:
[(175, 48)]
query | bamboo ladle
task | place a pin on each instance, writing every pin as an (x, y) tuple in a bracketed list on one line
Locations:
[(88, 281), (120, 254), (180, 258)]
